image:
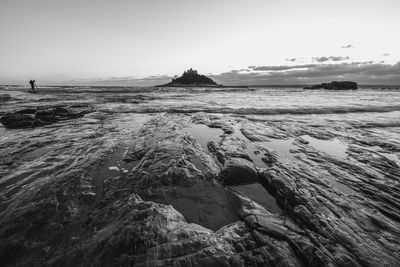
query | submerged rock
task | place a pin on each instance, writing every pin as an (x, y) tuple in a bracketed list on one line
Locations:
[(34, 117)]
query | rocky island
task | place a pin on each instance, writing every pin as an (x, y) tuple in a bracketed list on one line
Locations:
[(192, 79), (344, 85)]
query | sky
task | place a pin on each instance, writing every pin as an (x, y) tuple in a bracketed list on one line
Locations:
[(132, 42)]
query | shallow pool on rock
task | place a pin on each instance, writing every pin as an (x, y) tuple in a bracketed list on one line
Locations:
[(259, 194), (202, 203), (333, 147), (204, 134), (255, 149), (113, 166), (282, 146)]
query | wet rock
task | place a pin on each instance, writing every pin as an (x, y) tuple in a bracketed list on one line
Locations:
[(252, 136), (224, 126), (5, 97), (219, 153), (327, 215), (212, 147), (303, 141), (15, 120), (238, 171), (269, 158), (162, 212), (35, 117), (122, 229), (175, 170), (259, 218), (27, 111), (332, 200), (213, 122)]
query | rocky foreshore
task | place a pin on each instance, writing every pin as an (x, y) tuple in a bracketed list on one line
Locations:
[(201, 190)]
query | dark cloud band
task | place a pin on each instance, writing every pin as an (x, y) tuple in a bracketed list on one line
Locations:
[(367, 72)]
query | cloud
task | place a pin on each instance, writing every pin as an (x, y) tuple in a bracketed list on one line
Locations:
[(386, 55), (367, 72), (347, 46), (331, 58), (280, 68), (291, 59)]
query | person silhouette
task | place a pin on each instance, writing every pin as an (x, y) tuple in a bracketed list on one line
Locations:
[(32, 83)]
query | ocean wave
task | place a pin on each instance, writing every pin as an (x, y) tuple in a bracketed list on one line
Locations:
[(390, 124), (262, 111)]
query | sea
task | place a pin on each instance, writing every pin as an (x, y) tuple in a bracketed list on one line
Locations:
[(368, 108)]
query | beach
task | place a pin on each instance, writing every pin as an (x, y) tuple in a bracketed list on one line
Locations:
[(190, 176)]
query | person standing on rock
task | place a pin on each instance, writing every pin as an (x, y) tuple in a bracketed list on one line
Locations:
[(32, 83)]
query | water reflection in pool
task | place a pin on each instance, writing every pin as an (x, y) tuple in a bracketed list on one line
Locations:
[(333, 147)]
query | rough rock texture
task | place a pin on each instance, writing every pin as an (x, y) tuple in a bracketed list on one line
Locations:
[(334, 86), (34, 117), (184, 203)]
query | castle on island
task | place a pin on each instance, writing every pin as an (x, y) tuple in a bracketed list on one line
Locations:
[(189, 72), (191, 78)]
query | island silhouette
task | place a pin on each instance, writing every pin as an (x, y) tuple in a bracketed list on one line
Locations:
[(191, 78)]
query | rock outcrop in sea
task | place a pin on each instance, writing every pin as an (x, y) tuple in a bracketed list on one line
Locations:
[(344, 85), (192, 79), (40, 116)]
